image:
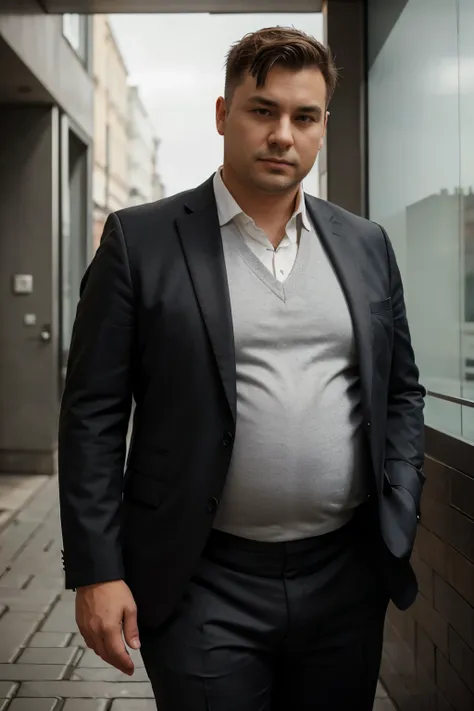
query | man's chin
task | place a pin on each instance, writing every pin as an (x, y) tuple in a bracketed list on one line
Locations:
[(275, 184)]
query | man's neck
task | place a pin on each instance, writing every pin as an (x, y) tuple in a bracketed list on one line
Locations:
[(269, 212)]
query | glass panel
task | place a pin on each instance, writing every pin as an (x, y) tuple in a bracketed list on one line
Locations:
[(414, 183), (466, 106), (75, 31)]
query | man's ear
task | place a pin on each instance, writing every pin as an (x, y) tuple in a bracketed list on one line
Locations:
[(221, 113)]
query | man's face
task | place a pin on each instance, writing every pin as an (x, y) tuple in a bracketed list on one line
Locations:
[(272, 135)]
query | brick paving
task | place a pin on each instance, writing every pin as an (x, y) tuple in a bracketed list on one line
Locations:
[(44, 665)]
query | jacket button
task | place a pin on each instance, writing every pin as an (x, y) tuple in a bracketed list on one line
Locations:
[(227, 439), (212, 505)]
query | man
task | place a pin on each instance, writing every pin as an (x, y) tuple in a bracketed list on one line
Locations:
[(273, 482)]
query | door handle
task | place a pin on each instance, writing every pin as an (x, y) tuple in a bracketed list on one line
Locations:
[(45, 333)]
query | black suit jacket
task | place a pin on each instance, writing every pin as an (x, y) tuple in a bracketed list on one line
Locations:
[(154, 323)]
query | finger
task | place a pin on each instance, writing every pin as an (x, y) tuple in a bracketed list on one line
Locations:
[(100, 650), (95, 643), (90, 641), (116, 651), (130, 628)]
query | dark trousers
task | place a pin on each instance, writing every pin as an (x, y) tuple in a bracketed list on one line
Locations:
[(268, 627)]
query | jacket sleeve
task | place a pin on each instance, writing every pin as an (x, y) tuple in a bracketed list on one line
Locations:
[(404, 446), (94, 416)]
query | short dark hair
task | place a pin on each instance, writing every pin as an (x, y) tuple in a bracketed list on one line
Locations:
[(258, 52)]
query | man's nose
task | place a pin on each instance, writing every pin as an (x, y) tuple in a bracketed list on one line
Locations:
[(282, 134)]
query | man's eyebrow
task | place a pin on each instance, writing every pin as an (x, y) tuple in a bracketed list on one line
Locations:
[(308, 109)]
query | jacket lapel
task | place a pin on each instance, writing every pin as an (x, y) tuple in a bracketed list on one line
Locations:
[(340, 247), (200, 236)]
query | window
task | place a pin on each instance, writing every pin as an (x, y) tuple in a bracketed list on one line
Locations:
[(421, 181), (75, 30)]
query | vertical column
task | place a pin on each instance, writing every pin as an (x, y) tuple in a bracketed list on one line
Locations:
[(29, 230), (343, 171)]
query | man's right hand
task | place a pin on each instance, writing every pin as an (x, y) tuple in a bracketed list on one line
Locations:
[(106, 614)]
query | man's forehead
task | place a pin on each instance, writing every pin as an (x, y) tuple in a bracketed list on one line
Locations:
[(284, 88)]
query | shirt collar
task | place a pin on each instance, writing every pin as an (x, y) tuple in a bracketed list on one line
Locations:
[(228, 209)]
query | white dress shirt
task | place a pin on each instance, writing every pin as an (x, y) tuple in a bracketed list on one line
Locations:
[(279, 261)]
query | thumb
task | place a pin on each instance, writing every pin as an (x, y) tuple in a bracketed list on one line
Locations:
[(130, 628)]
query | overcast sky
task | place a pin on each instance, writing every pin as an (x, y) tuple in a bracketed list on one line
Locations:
[(178, 63)]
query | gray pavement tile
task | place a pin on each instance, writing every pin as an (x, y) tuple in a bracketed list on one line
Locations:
[(12, 540), (3, 608), (32, 672), (34, 705), (14, 580), (92, 661), (16, 490), (42, 582), (37, 564), (7, 689), (49, 655), (77, 640), (51, 639), (135, 705), (107, 674), (15, 629), (68, 596), (27, 601), (42, 503), (86, 690), (86, 705), (62, 618)]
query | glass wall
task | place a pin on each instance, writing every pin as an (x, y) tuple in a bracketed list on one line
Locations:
[(421, 184)]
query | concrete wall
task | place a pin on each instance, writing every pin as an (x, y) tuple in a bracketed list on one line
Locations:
[(29, 186), (39, 42)]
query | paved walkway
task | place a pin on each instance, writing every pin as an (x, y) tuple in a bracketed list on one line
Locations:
[(44, 665)]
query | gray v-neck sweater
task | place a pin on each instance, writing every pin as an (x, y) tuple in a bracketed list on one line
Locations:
[(299, 461)]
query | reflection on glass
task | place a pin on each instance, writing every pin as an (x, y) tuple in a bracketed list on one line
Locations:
[(466, 104), (421, 173)]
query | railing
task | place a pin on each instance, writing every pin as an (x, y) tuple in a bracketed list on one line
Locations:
[(451, 398)]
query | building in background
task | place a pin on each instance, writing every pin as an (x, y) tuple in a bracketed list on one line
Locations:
[(110, 178), (46, 122), (144, 180), (125, 144), (158, 188)]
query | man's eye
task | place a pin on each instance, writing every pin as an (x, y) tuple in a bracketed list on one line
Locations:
[(262, 112), (305, 119)]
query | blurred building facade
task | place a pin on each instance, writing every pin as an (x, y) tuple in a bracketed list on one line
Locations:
[(110, 178), (144, 179), (125, 144), (45, 239), (66, 161)]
